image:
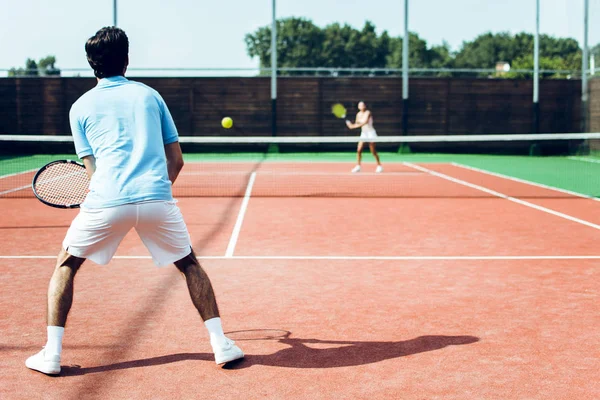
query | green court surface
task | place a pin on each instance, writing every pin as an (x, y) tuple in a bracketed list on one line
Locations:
[(577, 174)]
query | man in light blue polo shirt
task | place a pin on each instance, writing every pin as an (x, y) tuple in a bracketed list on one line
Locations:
[(124, 125), (127, 139)]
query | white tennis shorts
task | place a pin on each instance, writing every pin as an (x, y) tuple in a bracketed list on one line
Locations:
[(368, 134), (97, 233)]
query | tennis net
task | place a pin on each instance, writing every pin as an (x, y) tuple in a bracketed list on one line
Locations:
[(460, 166)]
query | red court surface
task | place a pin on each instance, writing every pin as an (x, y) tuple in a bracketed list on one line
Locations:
[(466, 295)]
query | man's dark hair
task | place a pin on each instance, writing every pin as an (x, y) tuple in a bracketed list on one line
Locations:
[(107, 52)]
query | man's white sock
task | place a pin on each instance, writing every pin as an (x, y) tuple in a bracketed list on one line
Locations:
[(215, 330), (55, 337)]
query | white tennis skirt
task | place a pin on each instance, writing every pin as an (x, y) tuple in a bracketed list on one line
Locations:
[(368, 134), (97, 233)]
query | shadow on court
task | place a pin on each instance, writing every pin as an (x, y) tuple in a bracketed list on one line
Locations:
[(300, 354)]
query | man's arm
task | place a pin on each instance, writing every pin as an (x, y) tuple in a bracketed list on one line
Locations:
[(174, 160), (90, 165)]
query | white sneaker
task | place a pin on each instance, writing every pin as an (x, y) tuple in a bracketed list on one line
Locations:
[(47, 364), (227, 352), (356, 169), (379, 169)]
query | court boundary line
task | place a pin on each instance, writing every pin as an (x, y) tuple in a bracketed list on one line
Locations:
[(348, 258), (524, 181), (18, 173), (15, 190), (504, 196), (18, 189), (240, 218), (585, 159), (283, 173)]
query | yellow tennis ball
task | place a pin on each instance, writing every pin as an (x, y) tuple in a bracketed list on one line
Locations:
[(227, 122)]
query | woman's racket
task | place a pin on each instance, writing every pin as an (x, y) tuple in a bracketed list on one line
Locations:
[(61, 184), (339, 111)]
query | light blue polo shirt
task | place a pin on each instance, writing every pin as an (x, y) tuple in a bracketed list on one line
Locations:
[(124, 125)]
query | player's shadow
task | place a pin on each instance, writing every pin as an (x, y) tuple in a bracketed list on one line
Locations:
[(302, 353)]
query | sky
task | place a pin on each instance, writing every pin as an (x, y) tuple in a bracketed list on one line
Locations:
[(210, 34)]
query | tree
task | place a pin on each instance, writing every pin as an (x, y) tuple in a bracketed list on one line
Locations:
[(546, 63), (487, 49), (31, 68), (44, 67), (300, 43), (419, 56)]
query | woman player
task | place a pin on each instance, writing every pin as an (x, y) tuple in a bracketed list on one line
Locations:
[(364, 120)]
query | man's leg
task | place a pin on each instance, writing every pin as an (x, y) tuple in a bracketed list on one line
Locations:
[(60, 289), (203, 297), (60, 298), (199, 285)]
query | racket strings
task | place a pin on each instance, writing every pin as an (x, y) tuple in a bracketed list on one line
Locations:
[(62, 184)]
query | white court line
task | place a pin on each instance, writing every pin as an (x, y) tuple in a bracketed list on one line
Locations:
[(504, 196), (585, 159), (347, 258), (240, 218), (541, 185), (15, 190), (19, 188), (17, 173), (301, 174)]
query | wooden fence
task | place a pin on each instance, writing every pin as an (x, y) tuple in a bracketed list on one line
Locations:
[(437, 106)]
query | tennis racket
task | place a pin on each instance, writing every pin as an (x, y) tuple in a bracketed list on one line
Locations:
[(61, 184), (339, 111)]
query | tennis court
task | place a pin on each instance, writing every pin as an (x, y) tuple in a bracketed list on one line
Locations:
[(445, 277)]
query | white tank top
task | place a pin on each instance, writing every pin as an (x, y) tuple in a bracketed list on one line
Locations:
[(368, 127)]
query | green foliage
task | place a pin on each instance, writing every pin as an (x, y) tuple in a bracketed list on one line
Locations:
[(300, 43), (487, 49), (546, 63), (419, 56), (44, 67)]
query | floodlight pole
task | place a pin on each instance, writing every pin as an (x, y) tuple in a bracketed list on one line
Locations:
[(584, 70), (274, 71), (114, 12), (536, 70), (405, 72)]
